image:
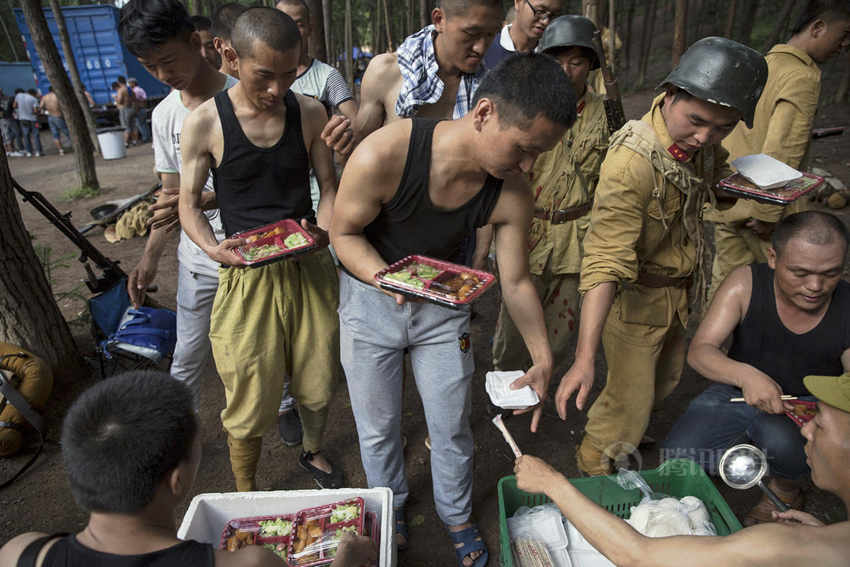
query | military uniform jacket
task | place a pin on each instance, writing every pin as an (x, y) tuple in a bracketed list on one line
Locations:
[(646, 217), (782, 127), (563, 178)]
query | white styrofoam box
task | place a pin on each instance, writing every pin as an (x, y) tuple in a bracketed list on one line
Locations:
[(209, 513), (498, 386), (765, 171), (590, 558)]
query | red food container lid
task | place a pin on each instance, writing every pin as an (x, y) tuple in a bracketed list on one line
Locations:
[(274, 236)]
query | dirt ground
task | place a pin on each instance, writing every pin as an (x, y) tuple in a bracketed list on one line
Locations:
[(40, 500)]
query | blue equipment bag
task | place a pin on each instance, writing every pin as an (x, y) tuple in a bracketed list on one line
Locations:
[(148, 332)]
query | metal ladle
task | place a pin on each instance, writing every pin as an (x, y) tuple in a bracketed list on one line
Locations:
[(744, 466)]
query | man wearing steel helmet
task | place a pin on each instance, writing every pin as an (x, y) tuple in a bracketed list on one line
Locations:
[(644, 247), (781, 129), (563, 182), (796, 539)]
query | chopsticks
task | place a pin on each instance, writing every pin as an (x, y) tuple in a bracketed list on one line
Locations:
[(497, 421), (784, 398)]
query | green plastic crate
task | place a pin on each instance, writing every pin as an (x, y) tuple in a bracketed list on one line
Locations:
[(677, 477)]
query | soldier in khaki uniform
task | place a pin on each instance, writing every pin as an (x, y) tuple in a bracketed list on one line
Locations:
[(563, 181), (781, 129), (645, 243)]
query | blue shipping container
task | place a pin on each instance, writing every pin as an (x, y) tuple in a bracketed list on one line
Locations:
[(98, 51), (15, 75)]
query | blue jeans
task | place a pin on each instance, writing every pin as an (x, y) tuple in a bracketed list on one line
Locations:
[(712, 424), (374, 332), (31, 127), (141, 123), (58, 127)]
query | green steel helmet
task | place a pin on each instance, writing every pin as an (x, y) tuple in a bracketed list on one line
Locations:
[(570, 31), (724, 72)]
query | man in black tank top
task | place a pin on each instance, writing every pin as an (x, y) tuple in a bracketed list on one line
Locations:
[(420, 186), (787, 319), (130, 472), (259, 139)]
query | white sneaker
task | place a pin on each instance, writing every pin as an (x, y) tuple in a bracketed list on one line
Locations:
[(15, 154), (38, 154), (28, 154), (61, 152)]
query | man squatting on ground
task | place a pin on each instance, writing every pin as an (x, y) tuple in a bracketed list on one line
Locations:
[(563, 183), (131, 490), (645, 243), (787, 319), (419, 187), (796, 539), (781, 128), (259, 138), (324, 83)]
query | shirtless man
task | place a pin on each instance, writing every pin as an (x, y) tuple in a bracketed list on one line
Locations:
[(259, 138), (796, 539), (461, 33), (126, 103), (55, 119)]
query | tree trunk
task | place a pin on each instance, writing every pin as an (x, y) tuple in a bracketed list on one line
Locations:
[(388, 28), (9, 38), (646, 41), (74, 73), (326, 19), (751, 8), (424, 14), (680, 27), (316, 49), (349, 67), (730, 19), (83, 148), (612, 35), (29, 316), (408, 21), (784, 16), (590, 9), (627, 44), (843, 87)]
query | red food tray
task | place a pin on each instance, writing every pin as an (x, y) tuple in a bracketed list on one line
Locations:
[(791, 191), (273, 235), (252, 524), (322, 549), (430, 290), (804, 412)]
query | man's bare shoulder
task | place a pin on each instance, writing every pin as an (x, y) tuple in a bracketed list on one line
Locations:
[(204, 116), (387, 142), (10, 552), (311, 109), (383, 71), (737, 287)]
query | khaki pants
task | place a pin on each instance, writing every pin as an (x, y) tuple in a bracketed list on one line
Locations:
[(560, 299), (736, 245), (644, 366), (267, 323)]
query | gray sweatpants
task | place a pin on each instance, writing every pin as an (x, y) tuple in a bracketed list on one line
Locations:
[(374, 331)]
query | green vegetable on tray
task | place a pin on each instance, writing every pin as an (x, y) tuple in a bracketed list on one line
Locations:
[(263, 251), (295, 240), (405, 277), (344, 513), (424, 271), (276, 527), (278, 549)]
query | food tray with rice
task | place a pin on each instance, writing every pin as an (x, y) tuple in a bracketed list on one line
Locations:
[(317, 531), (440, 282), (273, 242), (783, 195), (272, 532), (804, 411)]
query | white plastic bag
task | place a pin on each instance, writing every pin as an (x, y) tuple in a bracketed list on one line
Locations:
[(542, 524)]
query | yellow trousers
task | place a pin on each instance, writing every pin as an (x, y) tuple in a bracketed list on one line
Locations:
[(267, 323), (645, 364), (560, 299)]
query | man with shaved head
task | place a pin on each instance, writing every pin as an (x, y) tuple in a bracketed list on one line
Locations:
[(222, 27), (787, 319), (259, 139)]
